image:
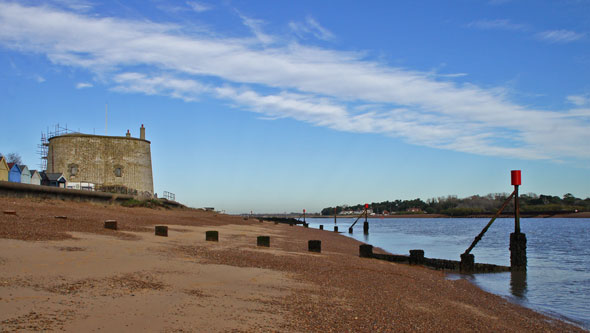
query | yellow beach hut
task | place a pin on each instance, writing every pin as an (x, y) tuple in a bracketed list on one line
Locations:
[(3, 169)]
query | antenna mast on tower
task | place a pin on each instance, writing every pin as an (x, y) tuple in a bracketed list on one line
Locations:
[(106, 118)]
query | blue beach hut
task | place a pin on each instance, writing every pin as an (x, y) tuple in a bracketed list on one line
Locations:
[(14, 173)]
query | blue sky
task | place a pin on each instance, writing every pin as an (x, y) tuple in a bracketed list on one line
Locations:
[(276, 106)]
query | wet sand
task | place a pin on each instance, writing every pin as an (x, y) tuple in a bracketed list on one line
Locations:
[(73, 275)]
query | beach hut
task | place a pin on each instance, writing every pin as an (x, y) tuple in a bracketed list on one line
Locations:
[(25, 174), (53, 179), (3, 169), (14, 173), (35, 177)]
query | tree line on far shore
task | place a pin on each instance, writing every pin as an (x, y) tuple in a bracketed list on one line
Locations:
[(530, 203)]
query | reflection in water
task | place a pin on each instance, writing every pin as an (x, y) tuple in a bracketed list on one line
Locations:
[(518, 283)]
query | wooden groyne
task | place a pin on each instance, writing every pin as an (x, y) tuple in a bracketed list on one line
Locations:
[(416, 257)]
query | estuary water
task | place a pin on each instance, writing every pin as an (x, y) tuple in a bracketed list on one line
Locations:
[(557, 281)]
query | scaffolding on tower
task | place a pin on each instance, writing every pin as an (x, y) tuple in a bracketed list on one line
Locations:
[(43, 147)]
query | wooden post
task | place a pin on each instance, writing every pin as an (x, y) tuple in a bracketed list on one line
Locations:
[(335, 214), (212, 236), (335, 228), (518, 260), (314, 246), (366, 251), (110, 224), (304, 217), (366, 224), (467, 264), (263, 241), (321, 227), (416, 257), (162, 230)]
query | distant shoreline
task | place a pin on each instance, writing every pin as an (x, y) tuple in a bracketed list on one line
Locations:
[(406, 216)]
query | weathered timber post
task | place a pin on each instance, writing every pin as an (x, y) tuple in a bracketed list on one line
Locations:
[(518, 260), (263, 241), (416, 257), (314, 246), (350, 230), (304, 218), (306, 225), (366, 251), (335, 228), (161, 230), (212, 236), (366, 224), (335, 215), (467, 264), (321, 227), (518, 285), (110, 224)]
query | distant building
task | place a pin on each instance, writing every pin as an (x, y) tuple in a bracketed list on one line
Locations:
[(53, 179), (209, 209), (35, 177), (414, 210), (25, 174), (14, 173), (4, 169)]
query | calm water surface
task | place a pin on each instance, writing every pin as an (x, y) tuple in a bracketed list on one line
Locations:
[(557, 281)]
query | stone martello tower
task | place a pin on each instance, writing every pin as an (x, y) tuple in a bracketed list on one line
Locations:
[(103, 160)]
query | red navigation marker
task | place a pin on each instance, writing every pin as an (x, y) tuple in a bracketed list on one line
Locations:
[(515, 177), (366, 206), (304, 210)]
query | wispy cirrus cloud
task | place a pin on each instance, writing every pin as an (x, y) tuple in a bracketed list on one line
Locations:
[(498, 24), (339, 90), (198, 7), (310, 27), (256, 27), (559, 36)]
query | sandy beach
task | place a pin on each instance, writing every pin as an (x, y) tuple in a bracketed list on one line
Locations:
[(71, 274)]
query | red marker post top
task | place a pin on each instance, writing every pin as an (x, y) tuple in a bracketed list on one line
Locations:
[(515, 177), (366, 206), (304, 210)]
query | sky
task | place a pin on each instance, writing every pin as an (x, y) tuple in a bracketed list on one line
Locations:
[(279, 106)]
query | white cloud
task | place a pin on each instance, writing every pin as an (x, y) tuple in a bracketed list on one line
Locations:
[(334, 89), (498, 24), (82, 85), (560, 36), (198, 7), (187, 90), (579, 100), (39, 79), (310, 27)]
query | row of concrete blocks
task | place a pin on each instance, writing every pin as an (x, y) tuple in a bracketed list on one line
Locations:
[(213, 236)]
